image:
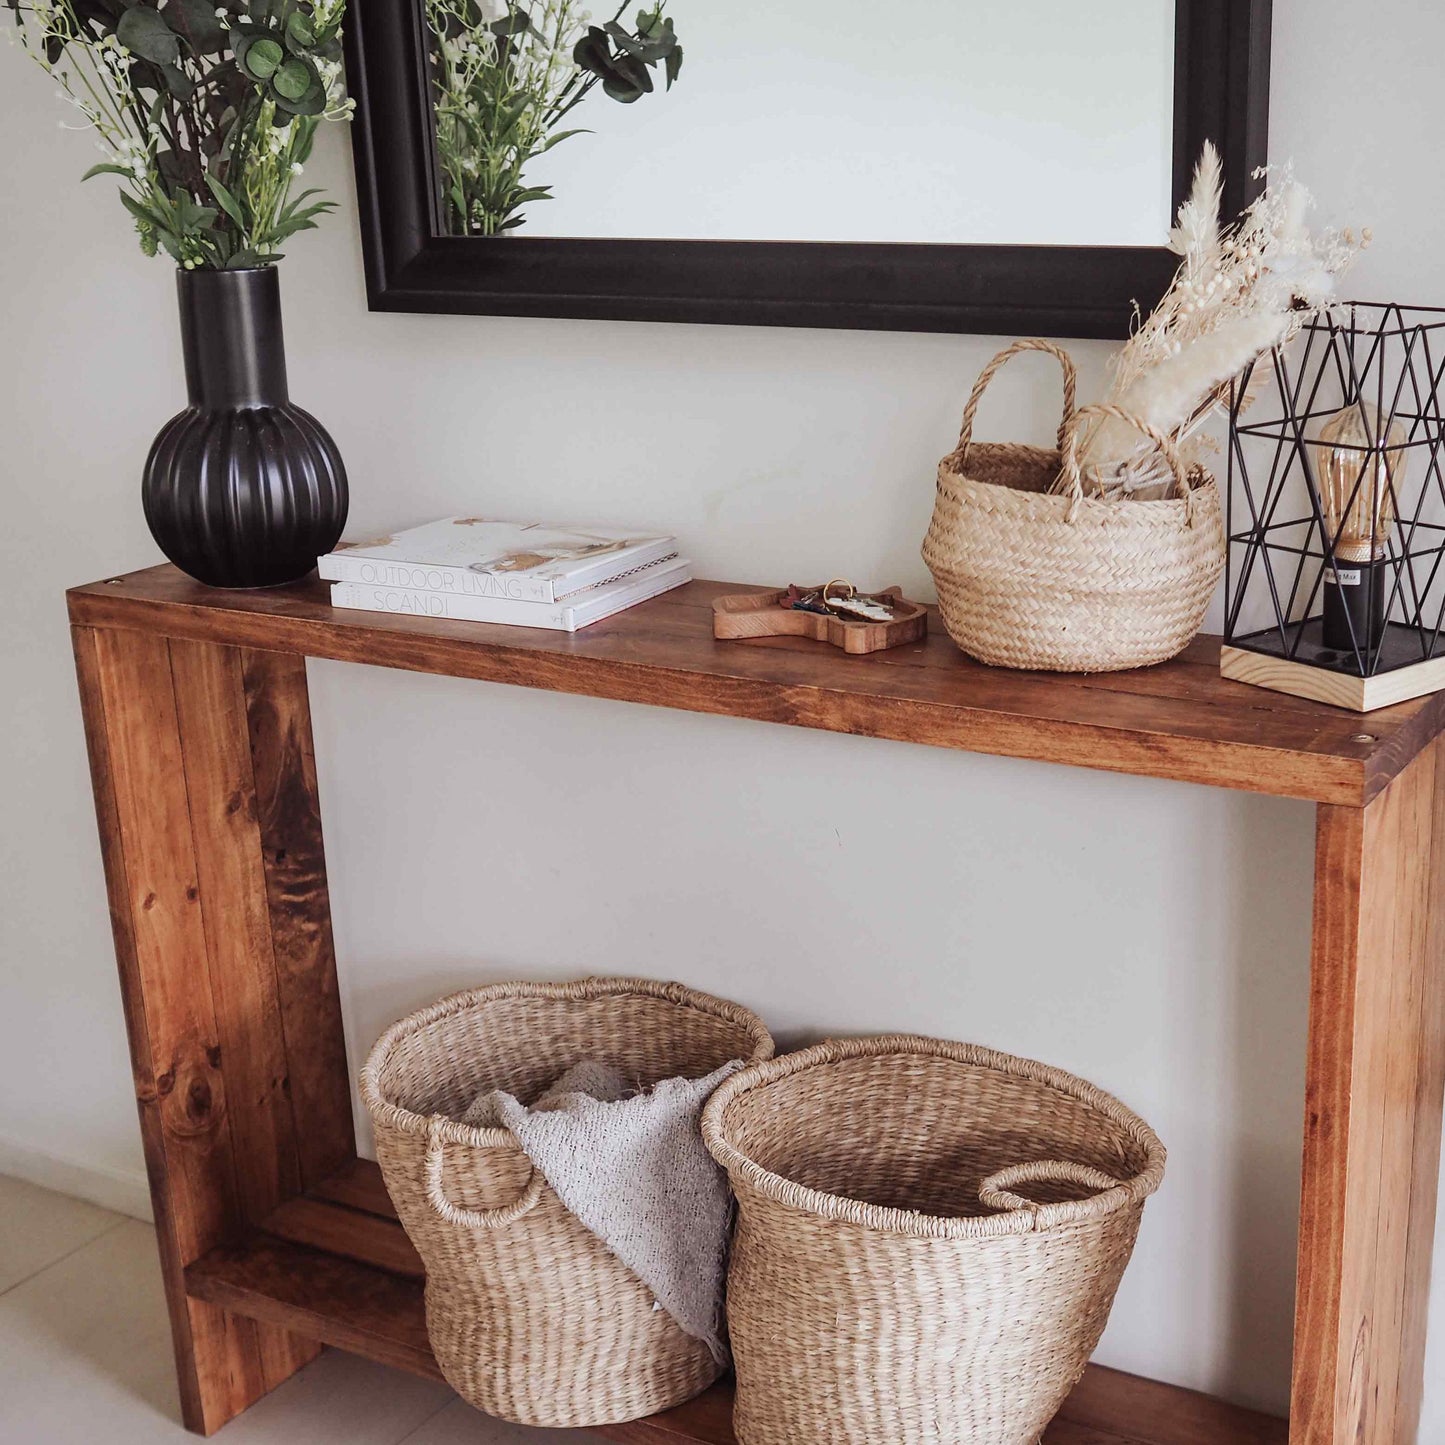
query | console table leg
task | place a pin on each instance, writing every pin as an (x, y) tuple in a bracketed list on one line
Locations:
[(223, 942), (1374, 1087)]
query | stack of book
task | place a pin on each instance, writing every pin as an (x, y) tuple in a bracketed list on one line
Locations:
[(522, 574)]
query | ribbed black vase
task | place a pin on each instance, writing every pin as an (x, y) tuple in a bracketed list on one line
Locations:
[(242, 489)]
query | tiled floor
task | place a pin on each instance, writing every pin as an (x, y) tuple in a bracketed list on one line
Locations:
[(85, 1354)]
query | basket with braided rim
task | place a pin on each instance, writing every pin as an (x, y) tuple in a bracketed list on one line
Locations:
[(929, 1239), (1033, 577), (530, 1316)]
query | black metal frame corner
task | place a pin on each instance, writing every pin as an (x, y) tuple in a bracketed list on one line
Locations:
[(1221, 93), (1282, 544)]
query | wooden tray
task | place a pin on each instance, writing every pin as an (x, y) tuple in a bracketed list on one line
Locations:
[(758, 614)]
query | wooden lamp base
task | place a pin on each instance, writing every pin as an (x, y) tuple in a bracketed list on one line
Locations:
[(1340, 689)]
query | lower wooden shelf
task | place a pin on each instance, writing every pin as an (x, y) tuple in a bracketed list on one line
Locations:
[(336, 1267)]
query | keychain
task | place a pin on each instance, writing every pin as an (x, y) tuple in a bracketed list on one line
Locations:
[(836, 613)]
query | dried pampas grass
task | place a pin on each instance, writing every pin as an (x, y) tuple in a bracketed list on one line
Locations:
[(1239, 291)]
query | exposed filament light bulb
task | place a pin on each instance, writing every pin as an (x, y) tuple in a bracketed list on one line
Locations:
[(1360, 466)]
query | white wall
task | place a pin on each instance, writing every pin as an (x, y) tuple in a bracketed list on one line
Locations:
[(1149, 935)]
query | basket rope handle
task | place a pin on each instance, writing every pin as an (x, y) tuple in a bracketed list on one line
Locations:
[(995, 1191), (1073, 477), (1035, 343), (472, 1218)]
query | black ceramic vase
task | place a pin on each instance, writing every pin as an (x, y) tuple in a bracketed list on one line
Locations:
[(242, 489)]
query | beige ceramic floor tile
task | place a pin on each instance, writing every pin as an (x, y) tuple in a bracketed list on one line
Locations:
[(340, 1400), (85, 1358), (459, 1424), (38, 1227)]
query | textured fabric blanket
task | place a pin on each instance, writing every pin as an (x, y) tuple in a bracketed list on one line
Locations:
[(633, 1168)]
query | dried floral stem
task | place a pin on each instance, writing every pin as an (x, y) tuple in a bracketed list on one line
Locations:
[(1239, 292)]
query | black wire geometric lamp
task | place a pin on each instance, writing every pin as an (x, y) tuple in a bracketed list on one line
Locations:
[(1335, 588)]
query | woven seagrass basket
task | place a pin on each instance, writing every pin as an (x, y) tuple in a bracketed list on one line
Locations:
[(1060, 581), (887, 1283), (530, 1316)]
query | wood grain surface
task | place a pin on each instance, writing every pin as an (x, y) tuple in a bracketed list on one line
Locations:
[(344, 1273), (152, 845), (277, 711), (1179, 720), (1374, 1087), (1340, 689), (274, 1238), (739, 616)]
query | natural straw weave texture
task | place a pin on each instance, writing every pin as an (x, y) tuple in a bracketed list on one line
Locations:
[(1065, 582), (873, 1295), (531, 1317)]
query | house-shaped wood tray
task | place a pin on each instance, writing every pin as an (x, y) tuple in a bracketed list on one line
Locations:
[(761, 614)]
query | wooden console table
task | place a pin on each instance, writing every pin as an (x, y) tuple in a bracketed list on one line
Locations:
[(276, 1239)]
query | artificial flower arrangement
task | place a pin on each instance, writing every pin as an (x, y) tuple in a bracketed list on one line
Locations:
[(505, 76), (206, 112), (1240, 291)]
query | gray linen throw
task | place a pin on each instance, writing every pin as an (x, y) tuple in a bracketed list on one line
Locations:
[(635, 1171)]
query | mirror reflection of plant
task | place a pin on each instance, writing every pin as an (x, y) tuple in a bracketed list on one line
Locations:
[(206, 114), (505, 75)]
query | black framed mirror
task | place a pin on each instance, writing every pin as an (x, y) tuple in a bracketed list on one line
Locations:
[(1012, 191)]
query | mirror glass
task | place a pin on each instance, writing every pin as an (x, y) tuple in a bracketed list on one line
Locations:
[(1046, 122)]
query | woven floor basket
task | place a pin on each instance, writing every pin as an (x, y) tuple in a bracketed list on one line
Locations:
[(886, 1283), (531, 1317), (1065, 582)]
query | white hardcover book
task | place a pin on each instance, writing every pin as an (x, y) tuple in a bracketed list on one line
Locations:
[(567, 616), (509, 561)]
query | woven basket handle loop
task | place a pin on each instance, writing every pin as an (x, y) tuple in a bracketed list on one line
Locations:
[(1073, 474), (995, 1191), (472, 1218), (965, 435)]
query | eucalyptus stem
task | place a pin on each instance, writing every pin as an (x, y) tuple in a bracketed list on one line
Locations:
[(205, 115), (502, 85)]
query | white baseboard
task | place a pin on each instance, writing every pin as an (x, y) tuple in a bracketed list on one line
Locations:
[(118, 1189)]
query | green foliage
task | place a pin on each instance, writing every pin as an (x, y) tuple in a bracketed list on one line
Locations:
[(142, 31), (502, 87), (280, 47), (197, 23), (208, 114), (623, 59)]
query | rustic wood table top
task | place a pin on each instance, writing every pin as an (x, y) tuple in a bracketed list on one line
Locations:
[(1179, 720)]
